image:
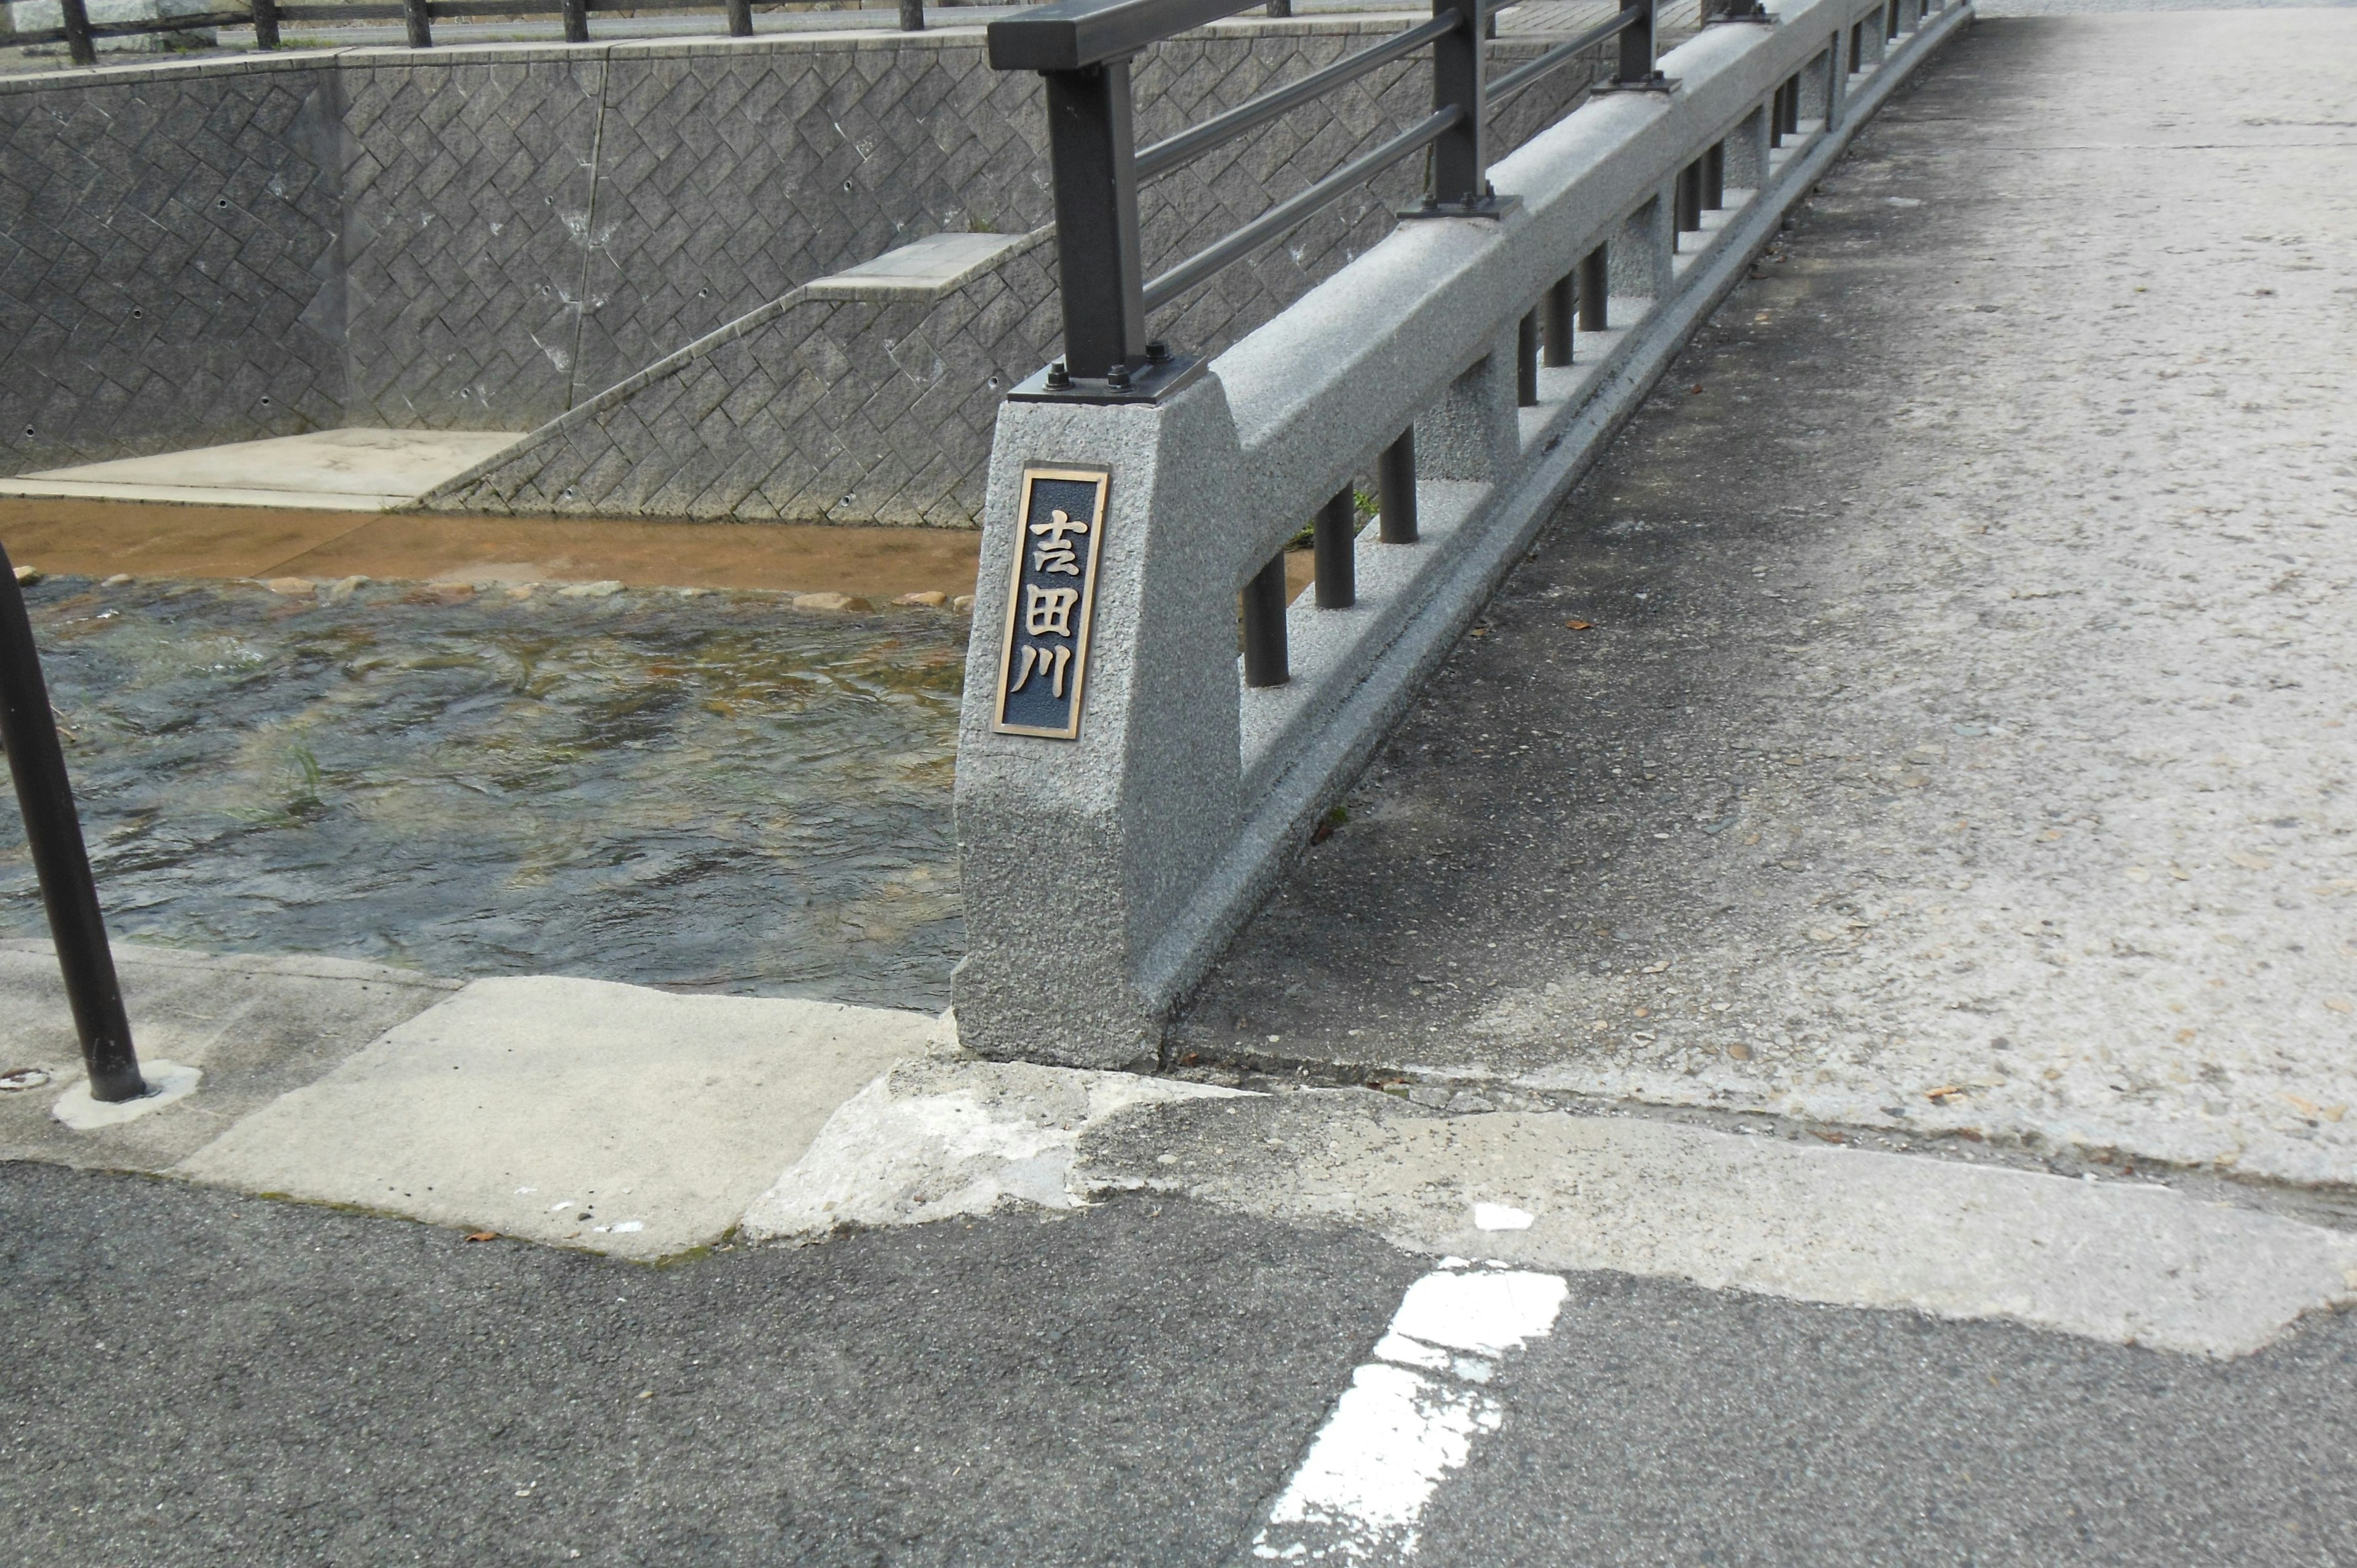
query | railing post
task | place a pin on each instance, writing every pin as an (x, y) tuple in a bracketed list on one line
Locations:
[(1334, 540), (1264, 661), (76, 25), (912, 15), (265, 24), (28, 729), (1595, 290), (1689, 197), (1395, 489), (1637, 45), (419, 20), (1561, 307), (576, 20), (740, 18), (1460, 164), (1526, 360), (1713, 177), (1091, 153)]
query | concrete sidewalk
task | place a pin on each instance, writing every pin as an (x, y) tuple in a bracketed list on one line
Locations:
[(1933, 717)]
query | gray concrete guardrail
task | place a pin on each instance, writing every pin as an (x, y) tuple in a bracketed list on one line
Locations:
[(1103, 872)]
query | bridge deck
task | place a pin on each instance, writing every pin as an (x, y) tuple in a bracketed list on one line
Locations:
[(1936, 714)]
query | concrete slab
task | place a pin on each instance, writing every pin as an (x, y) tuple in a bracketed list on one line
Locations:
[(2123, 1262), (254, 1027), (579, 1112), (332, 471), (924, 269)]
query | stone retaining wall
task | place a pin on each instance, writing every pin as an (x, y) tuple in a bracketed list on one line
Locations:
[(489, 238)]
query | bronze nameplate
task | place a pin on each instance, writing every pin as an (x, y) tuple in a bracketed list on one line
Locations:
[(1043, 660)]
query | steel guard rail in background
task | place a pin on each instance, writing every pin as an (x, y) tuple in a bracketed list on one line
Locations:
[(417, 17), (1128, 787)]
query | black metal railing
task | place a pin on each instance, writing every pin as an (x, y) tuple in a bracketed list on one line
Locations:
[(1084, 49), (80, 33), (28, 730)]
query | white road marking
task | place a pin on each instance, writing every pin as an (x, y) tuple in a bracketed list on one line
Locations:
[(1409, 1417)]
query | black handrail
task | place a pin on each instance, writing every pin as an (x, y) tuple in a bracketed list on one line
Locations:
[(28, 729), (1561, 55), (1293, 209), (1083, 48), (1188, 145)]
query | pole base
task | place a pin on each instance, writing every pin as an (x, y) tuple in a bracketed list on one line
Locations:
[(1490, 204), (1148, 383), (1656, 83)]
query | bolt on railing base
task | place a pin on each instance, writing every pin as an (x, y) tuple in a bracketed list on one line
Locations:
[(1489, 205), (1149, 384), (1656, 83)]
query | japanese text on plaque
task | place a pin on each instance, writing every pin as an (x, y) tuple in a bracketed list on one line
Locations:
[(1045, 655)]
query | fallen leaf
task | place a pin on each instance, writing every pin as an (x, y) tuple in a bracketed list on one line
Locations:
[(482, 1235), (1828, 1137), (2251, 861), (2338, 1004), (1945, 1091), (1581, 624), (2305, 1107)]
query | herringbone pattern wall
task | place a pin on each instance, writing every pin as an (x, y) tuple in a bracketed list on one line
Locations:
[(853, 411), (167, 264), (486, 238)]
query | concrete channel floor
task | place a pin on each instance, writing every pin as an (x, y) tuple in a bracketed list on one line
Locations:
[(1935, 714), (1195, 1369)]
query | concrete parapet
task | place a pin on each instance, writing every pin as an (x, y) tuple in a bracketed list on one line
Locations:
[(1105, 873)]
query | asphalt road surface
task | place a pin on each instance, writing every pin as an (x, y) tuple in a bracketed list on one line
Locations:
[(197, 1377)]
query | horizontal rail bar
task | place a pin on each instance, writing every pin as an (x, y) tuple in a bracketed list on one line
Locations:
[(128, 29), (391, 10), (1561, 55), (1072, 34), (1189, 145), (1286, 214)]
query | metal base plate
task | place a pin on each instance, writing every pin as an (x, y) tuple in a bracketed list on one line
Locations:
[(1659, 84), (1489, 206), (1150, 382)]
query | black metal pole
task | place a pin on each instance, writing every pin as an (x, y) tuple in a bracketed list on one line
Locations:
[(1561, 309), (1637, 44), (420, 23), (53, 830), (1713, 177), (1689, 197), (76, 25), (1335, 539), (1395, 491), (1264, 663), (1092, 154), (740, 18), (912, 15), (1526, 360), (265, 24), (1460, 167), (1595, 290), (576, 20)]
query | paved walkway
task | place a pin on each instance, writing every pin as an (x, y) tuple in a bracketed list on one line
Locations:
[(1934, 716)]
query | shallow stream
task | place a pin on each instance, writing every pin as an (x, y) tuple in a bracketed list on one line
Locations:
[(709, 791)]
